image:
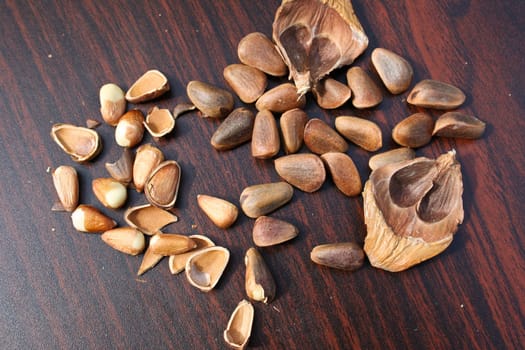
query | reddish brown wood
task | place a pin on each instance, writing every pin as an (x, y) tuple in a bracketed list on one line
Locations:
[(64, 289)]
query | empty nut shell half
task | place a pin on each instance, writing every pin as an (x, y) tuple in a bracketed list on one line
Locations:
[(436, 94), (162, 186), (212, 101), (122, 169), (149, 260), (81, 144), (177, 262), (205, 267), (305, 171), (239, 328), (150, 85), (159, 122)]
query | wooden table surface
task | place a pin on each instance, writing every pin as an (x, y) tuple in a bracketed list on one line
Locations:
[(61, 289)]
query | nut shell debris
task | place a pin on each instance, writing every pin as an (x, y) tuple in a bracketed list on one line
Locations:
[(159, 122), (148, 218)]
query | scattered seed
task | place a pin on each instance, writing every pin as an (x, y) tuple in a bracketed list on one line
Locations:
[(112, 103), (292, 124), (257, 50), (365, 93), (280, 99), (262, 199), (265, 136), (436, 94), (320, 138), (392, 156), (303, 170), (344, 173), (130, 129), (235, 130), (344, 256), (459, 125), (364, 133), (330, 93), (247, 82), (221, 212), (65, 180), (259, 283), (212, 101), (395, 72), (414, 131), (127, 240), (268, 231)]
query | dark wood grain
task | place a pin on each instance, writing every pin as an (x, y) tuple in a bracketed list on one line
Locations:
[(62, 289)]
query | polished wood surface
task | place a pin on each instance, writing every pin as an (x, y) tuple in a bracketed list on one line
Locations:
[(61, 289)]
